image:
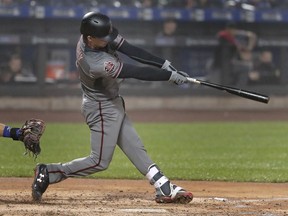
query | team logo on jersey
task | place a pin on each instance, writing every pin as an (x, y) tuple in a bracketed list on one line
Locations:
[(109, 67)]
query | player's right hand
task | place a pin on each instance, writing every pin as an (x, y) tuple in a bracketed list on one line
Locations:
[(178, 77)]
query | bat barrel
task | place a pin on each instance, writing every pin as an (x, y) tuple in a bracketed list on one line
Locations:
[(254, 96)]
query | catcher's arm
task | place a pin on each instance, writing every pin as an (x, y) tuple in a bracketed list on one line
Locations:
[(2, 126), (7, 131)]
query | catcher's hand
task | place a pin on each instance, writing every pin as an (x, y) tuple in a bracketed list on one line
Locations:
[(30, 134)]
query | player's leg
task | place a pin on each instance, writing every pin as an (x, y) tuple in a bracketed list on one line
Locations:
[(104, 125), (132, 146)]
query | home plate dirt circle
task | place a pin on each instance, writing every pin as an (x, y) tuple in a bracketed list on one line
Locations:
[(83, 196)]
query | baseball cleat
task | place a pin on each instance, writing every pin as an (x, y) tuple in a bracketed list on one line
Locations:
[(40, 183), (178, 195)]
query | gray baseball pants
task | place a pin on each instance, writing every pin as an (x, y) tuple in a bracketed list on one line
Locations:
[(109, 125)]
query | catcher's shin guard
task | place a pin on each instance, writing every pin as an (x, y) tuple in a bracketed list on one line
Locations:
[(166, 192), (40, 183)]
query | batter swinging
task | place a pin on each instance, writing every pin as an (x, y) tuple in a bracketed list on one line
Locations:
[(101, 72)]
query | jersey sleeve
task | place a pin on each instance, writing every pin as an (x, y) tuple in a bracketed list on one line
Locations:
[(115, 44), (139, 54), (136, 53), (105, 65)]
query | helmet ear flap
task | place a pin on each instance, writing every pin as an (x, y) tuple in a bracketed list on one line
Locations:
[(98, 25)]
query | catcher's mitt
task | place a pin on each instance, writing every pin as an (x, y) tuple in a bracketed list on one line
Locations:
[(30, 134)]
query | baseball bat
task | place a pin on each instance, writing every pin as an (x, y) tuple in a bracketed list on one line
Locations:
[(235, 91)]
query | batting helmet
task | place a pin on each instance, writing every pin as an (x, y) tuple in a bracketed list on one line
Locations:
[(98, 25)]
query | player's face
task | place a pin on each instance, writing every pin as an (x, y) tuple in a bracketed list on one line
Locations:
[(96, 43)]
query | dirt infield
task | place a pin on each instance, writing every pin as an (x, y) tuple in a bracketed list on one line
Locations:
[(135, 197)]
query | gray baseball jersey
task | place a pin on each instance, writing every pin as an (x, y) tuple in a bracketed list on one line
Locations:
[(104, 111)]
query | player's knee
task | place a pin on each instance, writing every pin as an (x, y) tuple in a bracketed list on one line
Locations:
[(102, 164)]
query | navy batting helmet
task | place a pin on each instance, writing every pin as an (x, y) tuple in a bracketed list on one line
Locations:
[(98, 25)]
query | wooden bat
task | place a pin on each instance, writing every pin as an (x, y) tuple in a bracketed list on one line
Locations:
[(235, 91)]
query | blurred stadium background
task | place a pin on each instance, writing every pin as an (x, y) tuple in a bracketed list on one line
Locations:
[(44, 34)]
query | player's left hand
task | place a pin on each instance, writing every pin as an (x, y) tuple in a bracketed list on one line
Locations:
[(30, 134), (168, 66)]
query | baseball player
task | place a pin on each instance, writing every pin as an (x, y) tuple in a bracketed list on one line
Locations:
[(101, 71)]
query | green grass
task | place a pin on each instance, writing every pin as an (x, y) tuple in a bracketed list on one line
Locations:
[(254, 151)]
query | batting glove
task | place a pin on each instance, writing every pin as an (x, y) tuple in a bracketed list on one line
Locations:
[(167, 66), (178, 77)]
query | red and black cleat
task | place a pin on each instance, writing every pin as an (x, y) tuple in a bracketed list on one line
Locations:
[(181, 198), (178, 195)]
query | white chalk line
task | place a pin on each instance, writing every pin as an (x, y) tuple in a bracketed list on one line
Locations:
[(222, 199), (144, 210), (266, 199)]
